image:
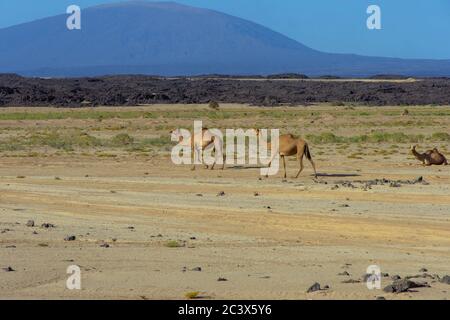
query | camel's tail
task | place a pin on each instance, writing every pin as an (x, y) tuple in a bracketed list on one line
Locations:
[(307, 152)]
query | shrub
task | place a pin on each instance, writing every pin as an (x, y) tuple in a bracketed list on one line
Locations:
[(192, 295), (122, 139), (173, 244), (214, 105), (440, 136)]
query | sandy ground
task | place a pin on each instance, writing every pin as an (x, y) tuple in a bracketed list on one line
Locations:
[(270, 238)]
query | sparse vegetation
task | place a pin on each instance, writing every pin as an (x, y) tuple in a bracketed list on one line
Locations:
[(122, 139), (214, 105), (141, 132), (192, 295), (173, 244), (377, 137)]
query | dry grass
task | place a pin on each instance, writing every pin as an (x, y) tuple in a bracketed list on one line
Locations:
[(144, 131)]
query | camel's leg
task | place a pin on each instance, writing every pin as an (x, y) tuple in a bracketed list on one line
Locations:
[(300, 159), (270, 163), (300, 155), (224, 159), (214, 163), (197, 150), (306, 152), (284, 166), (193, 158), (215, 160), (314, 167), (207, 166)]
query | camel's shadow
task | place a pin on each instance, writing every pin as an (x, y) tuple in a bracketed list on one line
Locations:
[(337, 175), (319, 175), (245, 167)]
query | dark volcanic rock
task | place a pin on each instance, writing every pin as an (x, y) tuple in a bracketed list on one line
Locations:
[(47, 225), (314, 287), (70, 238), (445, 279), (404, 286), (351, 281), (133, 90), (30, 223)]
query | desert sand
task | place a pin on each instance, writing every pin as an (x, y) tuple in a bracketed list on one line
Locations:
[(269, 238)]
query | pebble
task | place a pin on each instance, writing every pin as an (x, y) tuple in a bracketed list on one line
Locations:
[(314, 287)]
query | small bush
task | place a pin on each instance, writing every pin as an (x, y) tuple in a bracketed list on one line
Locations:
[(173, 244), (122, 139), (157, 142), (440, 136), (65, 141), (214, 105), (192, 295)]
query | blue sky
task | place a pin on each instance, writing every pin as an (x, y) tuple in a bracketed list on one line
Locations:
[(410, 28)]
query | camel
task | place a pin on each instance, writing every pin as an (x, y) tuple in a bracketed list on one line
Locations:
[(290, 145), (430, 157), (207, 141)]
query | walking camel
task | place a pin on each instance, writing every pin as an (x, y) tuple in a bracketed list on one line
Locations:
[(199, 143), (289, 145), (430, 157)]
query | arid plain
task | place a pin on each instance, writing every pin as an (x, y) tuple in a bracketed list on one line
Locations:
[(147, 229)]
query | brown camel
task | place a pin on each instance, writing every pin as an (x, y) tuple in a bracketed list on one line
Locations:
[(430, 157), (289, 145), (207, 141)]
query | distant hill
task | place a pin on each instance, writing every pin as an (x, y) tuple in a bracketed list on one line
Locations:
[(167, 38)]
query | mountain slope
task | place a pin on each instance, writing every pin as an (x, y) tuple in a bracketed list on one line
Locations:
[(166, 38)]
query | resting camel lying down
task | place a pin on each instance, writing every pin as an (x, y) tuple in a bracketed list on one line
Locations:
[(207, 141), (430, 157), (289, 145)]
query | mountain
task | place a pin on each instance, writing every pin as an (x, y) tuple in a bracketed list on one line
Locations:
[(166, 38)]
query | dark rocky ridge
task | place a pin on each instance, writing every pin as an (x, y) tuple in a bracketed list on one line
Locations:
[(134, 90)]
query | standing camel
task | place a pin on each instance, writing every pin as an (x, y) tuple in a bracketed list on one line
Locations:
[(430, 157), (289, 145), (199, 143)]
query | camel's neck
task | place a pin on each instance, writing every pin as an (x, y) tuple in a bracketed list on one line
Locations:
[(419, 156)]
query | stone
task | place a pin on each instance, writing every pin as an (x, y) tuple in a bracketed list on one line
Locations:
[(404, 286), (314, 287)]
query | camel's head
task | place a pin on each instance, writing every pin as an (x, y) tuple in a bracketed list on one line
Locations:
[(177, 133), (257, 131), (413, 147)]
